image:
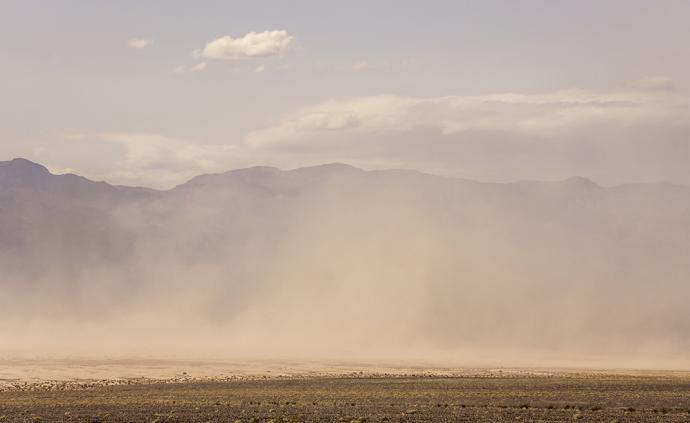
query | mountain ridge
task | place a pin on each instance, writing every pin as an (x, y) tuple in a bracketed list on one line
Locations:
[(21, 167)]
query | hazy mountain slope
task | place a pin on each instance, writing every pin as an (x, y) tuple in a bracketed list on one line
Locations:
[(335, 260), (50, 222)]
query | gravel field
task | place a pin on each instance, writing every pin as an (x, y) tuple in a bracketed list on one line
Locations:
[(357, 398)]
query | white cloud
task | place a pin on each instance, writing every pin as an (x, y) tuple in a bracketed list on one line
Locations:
[(182, 69), (139, 43), (253, 44), (542, 116)]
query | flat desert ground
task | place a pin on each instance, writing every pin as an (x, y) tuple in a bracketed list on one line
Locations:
[(216, 391)]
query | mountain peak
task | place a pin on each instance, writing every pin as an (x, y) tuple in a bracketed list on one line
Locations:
[(582, 182), (23, 170), (20, 164), (326, 169)]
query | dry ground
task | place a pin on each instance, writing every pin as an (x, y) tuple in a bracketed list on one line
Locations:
[(521, 397)]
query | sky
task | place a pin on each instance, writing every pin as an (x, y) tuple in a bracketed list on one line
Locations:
[(153, 93)]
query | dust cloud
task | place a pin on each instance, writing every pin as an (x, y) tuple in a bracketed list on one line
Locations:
[(332, 263)]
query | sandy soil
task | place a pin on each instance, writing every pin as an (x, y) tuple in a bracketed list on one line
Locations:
[(45, 373)]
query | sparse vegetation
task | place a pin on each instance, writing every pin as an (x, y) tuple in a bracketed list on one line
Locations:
[(358, 400)]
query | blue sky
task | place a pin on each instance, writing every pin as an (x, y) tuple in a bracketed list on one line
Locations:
[(613, 74)]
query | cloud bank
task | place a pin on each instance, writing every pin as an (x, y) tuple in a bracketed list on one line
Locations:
[(632, 135)]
